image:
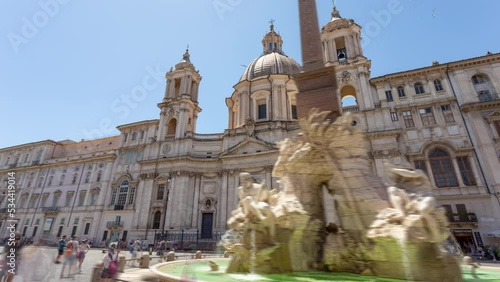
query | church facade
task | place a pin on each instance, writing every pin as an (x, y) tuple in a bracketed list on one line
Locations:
[(160, 175)]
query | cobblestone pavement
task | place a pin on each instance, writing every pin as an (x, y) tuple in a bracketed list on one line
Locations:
[(38, 265)]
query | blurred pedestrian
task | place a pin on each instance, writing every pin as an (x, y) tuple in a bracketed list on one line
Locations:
[(61, 245)]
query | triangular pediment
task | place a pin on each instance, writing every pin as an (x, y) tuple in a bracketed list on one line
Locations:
[(493, 116), (249, 146)]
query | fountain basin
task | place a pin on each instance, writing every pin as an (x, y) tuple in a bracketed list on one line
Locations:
[(199, 270)]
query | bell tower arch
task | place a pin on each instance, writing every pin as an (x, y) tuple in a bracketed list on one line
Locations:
[(179, 108)]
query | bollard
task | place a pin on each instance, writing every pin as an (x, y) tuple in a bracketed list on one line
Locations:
[(96, 272), (171, 256), (121, 263), (144, 261)]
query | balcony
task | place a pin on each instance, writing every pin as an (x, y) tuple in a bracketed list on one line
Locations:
[(51, 209), (119, 207), (114, 225), (463, 218), (486, 101)]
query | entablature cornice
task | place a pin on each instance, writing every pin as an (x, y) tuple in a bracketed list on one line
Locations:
[(480, 106), (383, 134)]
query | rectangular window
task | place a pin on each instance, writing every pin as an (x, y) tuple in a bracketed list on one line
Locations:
[(161, 192), (449, 212), (139, 156), (125, 136), (401, 92), (294, 112), (420, 164), (68, 199), (134, 136), (427, 116), (130, 156), (466, 171), (131, 195), (63, 220), (408, 119), (394, 116), (87, 228), (462, 212), (262, 111), (388, 96), (81, 199), (142, 135), (447, 113), (113, 196), (77, 219)]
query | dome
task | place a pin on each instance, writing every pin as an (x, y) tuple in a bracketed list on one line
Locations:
[(272, 60), (272, 63)]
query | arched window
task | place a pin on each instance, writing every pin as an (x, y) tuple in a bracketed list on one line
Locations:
[(156, 220), (483, 87), (442, 169), (50, 181), (61, 182), (419, 88), (401, 91), (478, 79), (438, 85), (123, 192)]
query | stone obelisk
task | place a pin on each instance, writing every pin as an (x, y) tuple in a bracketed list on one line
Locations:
[(317, 84)]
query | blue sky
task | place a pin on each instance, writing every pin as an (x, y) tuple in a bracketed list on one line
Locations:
[(68, 66)]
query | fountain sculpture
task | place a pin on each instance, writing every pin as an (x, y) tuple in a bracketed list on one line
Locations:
[(396, 231)]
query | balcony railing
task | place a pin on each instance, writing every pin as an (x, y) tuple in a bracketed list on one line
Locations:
[(354, 108), (51, 209), (462, 218), (119, 207), (111, 224)]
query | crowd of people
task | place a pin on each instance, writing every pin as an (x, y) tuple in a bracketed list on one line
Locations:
[(73, 252)]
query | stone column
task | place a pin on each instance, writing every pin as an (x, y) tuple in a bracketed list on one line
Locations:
[(222, 211)]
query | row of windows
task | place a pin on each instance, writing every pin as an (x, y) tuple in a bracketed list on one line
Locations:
[(130, 156), (426, 115), (34, 200), (443, 171), (419, 89), (134, 136), (484, 95), (74, 180)]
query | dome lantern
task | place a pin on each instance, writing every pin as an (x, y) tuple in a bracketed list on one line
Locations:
[(272, 41)]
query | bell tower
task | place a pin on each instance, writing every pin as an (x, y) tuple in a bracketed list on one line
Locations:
[(179, 108), (341, 41)]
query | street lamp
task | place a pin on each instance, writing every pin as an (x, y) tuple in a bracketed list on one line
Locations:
[(165, 208)]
